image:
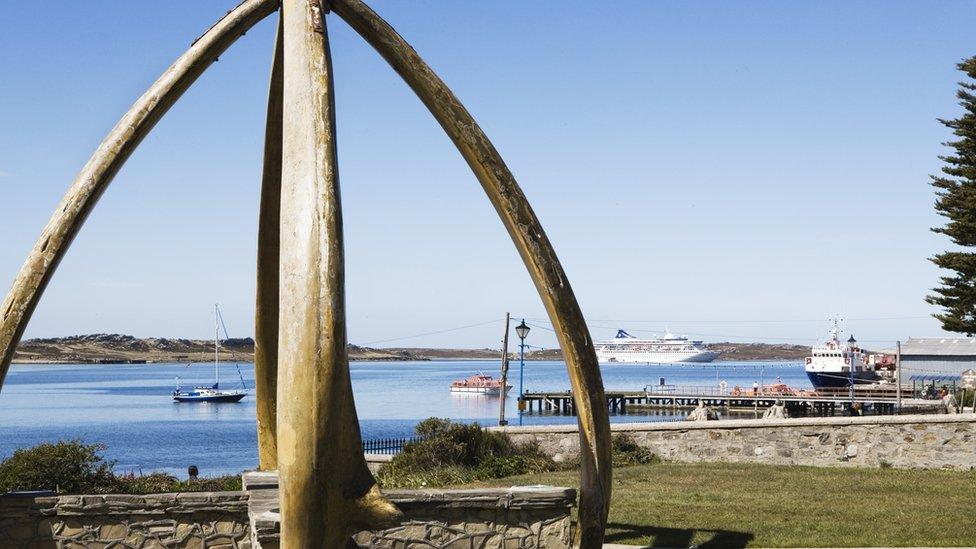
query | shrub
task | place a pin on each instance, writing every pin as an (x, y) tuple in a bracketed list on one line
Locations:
[(432, 427), (507, 466), (392, 475), (77, 468), (155, 483), (626, 451), (226, 483), (456, 453), (65, 466), (443, 443)]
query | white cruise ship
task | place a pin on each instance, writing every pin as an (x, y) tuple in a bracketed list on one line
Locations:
[(665, 350)]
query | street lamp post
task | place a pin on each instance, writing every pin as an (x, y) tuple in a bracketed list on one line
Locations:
[(851, 346), (522, 330)]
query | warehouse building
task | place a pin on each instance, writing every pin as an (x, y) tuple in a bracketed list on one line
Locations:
[(937, 357)]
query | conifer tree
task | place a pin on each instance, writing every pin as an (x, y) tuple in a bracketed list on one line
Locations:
[(956, 201)]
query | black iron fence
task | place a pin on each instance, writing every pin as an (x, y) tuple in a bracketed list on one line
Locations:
[(386, 445)]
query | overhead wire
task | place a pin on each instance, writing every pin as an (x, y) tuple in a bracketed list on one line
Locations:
[(744, 321), (436, 332), (591, 323), (544, 323)]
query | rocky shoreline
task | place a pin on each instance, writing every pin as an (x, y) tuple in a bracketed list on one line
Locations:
[(126, 349)]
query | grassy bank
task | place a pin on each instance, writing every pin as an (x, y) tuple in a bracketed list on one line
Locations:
[(736, 505)]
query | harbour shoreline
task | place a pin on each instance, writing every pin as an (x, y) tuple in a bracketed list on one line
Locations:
[(125, 349)]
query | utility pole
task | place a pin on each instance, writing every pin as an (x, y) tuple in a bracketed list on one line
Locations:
[(898, 377), (851, 381), (504, 393)]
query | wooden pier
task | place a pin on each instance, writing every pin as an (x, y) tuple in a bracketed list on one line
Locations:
[(817, 403)]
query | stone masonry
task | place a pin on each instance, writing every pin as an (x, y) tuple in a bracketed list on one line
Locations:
[(916, 441), (520, 518), (515, 517), (523, 518), (216, 520)]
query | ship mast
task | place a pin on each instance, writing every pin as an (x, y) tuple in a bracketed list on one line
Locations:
[(835, 331), (216, 338)]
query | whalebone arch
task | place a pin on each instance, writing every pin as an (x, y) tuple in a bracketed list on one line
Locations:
[(300, 332)]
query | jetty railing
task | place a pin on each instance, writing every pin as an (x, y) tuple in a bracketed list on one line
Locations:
[(861, 391), (387, 445)]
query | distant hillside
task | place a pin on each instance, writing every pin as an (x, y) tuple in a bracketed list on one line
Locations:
[(730, 351), (760, 351), (122, 349), (126, 349), (445, 354)]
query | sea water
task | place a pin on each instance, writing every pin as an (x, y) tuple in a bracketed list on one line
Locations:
[(128, 408)]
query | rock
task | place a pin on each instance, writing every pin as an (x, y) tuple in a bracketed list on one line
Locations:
[(949, 404), (702, 413), (776, 411)]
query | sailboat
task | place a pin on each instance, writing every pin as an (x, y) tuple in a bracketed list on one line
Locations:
[(210, 393)]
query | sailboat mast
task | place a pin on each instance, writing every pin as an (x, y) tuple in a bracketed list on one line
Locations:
[(216, 337)]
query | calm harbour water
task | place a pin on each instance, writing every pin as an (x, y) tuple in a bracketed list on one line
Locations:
[(128, 407)]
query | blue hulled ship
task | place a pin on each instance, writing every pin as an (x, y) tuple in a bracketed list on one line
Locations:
[(837, 364)]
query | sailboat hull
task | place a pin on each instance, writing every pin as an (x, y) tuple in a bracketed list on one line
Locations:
[(226, 397)]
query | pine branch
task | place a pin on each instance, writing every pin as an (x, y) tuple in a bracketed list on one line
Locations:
[(955, 193)]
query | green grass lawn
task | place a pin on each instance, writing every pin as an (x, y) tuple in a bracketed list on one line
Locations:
[(738, 505)]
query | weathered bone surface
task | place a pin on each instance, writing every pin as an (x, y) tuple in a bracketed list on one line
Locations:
[(532, 244), (266, 301), (307, 422), (106, 162), (327, 492)]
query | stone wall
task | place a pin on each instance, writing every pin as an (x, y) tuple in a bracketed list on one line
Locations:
[(917, 441), (522, 517), (375, 461), (25, 522), (526, 517), (214, 520)]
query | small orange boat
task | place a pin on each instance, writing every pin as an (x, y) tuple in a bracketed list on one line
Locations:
[(480, 384)]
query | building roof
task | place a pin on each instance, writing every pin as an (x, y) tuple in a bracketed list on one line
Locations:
[(940, 346), (933, 377)]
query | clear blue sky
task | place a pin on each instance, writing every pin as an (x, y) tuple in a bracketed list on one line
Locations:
[(692, 162)]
